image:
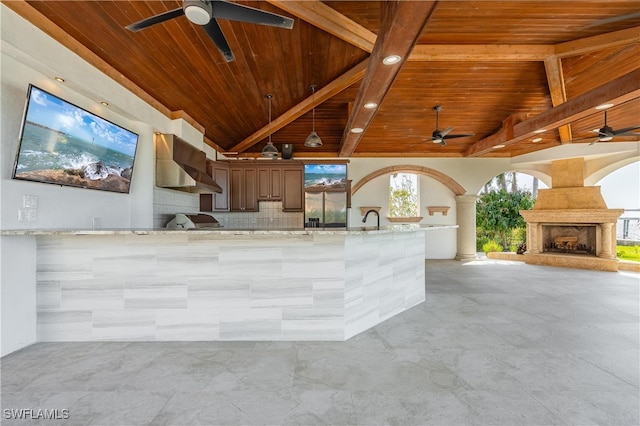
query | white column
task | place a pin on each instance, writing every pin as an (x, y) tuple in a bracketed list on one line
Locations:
[(466, 219)]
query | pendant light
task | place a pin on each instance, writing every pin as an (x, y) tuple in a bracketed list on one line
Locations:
[(270, 150), (313, 140)]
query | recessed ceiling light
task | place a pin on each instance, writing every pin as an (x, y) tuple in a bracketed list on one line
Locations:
[(103, 103), (604, 106), (370, 105), (536, 140), (498, 146), (391, 59), (357, 130), (540, 131), (60, 79)]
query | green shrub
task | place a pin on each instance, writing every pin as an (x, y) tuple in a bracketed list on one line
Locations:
[(491, 246), (480, 242)]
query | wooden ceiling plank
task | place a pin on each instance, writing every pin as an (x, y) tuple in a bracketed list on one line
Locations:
[(555, 78), (324, 17), (481, 52), (336, 86), (617, 91), (402, 25), (22, 8), (598, 42)]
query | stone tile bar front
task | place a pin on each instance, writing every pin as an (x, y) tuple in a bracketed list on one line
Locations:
[(224, 285)]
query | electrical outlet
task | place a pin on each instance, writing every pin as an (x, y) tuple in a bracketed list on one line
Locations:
[(27, 215)]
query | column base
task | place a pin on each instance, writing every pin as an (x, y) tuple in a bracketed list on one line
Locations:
[(466, 256)]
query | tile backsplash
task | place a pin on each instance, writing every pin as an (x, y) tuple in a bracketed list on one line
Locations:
[(167, 202)]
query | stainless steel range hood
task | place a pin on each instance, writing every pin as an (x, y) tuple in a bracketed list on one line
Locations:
[(182, 166)]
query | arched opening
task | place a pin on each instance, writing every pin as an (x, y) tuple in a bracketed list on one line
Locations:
[(499, 225), (621, 190)]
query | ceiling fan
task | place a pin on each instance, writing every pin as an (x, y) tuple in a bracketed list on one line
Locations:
[(206, 13), (607, 133), (439, 136)]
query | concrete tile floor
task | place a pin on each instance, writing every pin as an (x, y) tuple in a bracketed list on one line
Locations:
[(495, 343)]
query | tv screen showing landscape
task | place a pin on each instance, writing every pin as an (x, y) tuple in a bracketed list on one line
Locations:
[(63, 144), (318, 177)]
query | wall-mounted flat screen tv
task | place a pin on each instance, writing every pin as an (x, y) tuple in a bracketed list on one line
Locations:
[(325, 177), (63, 144)]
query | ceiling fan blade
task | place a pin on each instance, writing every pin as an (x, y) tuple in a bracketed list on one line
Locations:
[(146, 23), (215, 33), (446, 131), (626, 130), (614, 19), (237, 12), (443, 143), (459, 136)]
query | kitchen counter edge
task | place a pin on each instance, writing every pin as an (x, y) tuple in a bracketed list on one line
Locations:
[(224, 231)]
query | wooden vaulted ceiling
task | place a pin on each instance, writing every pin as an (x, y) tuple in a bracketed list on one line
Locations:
[(501, 70)]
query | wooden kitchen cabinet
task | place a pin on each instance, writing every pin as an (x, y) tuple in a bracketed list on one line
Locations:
[(269, 183), (293, 189), (243, 189), (217, 201)]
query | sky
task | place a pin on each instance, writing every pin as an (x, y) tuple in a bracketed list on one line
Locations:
[(54, 113), (621, 189)]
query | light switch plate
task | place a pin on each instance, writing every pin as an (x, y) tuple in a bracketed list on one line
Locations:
[(30, 201)]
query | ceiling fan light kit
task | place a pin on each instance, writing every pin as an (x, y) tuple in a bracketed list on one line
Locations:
[(197, 11), (206, 12), (313, 140), (270, 150)]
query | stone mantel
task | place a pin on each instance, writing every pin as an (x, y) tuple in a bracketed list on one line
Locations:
[(571, 215)]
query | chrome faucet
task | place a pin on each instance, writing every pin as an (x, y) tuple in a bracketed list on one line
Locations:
[(367, 214)]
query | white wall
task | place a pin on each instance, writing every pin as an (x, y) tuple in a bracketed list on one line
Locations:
[(18, 295), (28, 56)]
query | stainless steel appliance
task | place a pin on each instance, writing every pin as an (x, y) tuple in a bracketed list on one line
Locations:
[(325, 209)]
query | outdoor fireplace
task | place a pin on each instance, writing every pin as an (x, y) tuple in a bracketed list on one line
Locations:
[(570, 224)]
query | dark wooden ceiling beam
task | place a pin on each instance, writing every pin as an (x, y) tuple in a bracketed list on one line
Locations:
[(352, 76), (402, 24), (324, 17), (620, 90)]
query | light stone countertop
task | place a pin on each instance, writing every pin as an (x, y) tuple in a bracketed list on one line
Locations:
[(228, 231)]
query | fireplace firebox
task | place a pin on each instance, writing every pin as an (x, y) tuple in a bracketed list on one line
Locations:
[(569, 238)]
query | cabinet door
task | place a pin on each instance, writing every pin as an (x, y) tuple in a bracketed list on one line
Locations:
[(275, 183), (244, 190), (269, 183), (221, 176), (293, 190), (264, 184), (236, 192), (250, 190)]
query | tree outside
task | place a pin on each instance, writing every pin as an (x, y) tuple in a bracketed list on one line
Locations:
[(498, 213), (403, 195)]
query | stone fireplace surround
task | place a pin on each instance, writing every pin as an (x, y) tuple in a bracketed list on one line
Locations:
[(570, 224)]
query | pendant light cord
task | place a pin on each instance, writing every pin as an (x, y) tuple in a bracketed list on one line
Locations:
[(269, 97), (313, 112)]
